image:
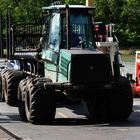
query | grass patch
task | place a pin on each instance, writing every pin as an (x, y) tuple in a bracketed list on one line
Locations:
[(127, 56)]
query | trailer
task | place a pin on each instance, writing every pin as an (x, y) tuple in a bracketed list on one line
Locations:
[(61, 56)]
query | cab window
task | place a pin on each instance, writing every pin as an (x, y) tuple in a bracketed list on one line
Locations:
[(54, 32)]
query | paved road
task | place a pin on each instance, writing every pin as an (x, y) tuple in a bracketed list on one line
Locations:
[(70, 124)]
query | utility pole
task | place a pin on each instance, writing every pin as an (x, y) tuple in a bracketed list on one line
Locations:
[(89, 2)]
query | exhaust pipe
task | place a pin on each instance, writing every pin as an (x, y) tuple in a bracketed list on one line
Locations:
[(89, 3)]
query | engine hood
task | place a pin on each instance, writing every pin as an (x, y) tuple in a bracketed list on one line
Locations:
[(80, 65), (77, 51)]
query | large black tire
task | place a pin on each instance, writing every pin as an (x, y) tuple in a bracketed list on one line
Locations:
[(115, 104), (2, 83), (40, 103), (1, 95), (11, 80), (21, 99), (97, 107), (122, 103)]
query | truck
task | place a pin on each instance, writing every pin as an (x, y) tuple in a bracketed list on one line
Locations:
[(63, 57)]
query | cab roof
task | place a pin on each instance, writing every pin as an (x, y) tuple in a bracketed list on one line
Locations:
[(64, 6)]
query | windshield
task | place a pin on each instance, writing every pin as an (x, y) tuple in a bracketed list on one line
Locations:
[(54, 36), (81, 31)]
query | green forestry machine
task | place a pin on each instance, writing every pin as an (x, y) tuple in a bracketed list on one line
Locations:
[(60, 57)]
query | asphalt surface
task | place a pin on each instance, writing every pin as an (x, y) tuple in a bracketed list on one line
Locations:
[(70, 124)]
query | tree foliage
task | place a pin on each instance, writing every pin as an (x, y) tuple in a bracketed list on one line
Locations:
[(124, 13)]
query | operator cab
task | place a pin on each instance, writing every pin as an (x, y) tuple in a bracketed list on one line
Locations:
[(66, 30), (68, 42)]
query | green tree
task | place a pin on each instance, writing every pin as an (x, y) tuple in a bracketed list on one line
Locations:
[(108, 10), (130, 27), (124, 13), (102, 10), (23, 11), (74, 2)]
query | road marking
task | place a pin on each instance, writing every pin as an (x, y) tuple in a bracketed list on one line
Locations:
[(63, 115), (123, 129)]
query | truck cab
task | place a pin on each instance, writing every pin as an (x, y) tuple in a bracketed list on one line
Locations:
[(69, 42)]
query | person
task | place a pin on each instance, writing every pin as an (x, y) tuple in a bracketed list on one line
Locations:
[(75, 40)]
